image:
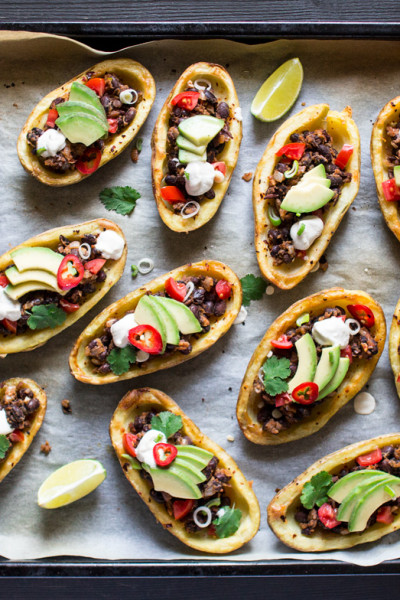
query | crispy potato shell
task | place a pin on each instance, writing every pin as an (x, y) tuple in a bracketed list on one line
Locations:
[(81, 366), (133, 74), (282, 508), (19, 448), (225, 91), (240, 491), (380, 149), (343, 130), (357, 375), (34, 338), (394, 344)]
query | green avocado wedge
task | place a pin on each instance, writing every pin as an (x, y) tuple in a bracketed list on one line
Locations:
[(171, 328), (186, 144), (71, 107), (200, 129), (199, 453), (349, 482), (370, 501), (146, 314), (337, 379), (80, 92), (307, 363), (183, 316), (81, 128), (176, 482), (327, 366), (37, 257)]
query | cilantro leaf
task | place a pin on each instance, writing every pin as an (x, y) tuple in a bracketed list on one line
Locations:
[(253, 288), (167, 422), (228, 523), (120, 199), (120, 359), (46, 315), (4, 446), (276, 371), (315, 490)]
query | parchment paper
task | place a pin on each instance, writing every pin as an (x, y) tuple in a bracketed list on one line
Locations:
[(112, 522)]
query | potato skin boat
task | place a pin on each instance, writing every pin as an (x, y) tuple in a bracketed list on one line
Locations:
[(343, 130), (282, 508), (133, 74), (225, 89), (34, 338), (134, 403), (394, 343), (380, 146), (80, 365), (19, 448), (357, 375)]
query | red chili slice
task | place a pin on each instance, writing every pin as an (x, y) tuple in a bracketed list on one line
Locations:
[(89, 161), (181, 508), (51, 117), (346, 352), (306, 393), (385, 515), (372, 458), (390, 190), (95, 265), (282, 343), (69, 307), (171, 194), (223, 289), (362, 313), (186, 100), (219, 166), (16, 436), (70, 272), (11, 326), (164, 454), (344, 156), (97, 84), (146, 338), (112, 125), (128, 441), (175, 290), (327, 516), (294, 151), (282, 399), (4, 281)]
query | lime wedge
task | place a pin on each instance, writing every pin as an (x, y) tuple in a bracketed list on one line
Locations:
[(279, 92), (71, 482)]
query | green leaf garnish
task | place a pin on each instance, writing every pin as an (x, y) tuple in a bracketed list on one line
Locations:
[(139, 144), (228, 523), (46, 315), (315, 490), (167, 422), (276, 371), (4, 446), (120, 199), (120, 359), (253, 288)]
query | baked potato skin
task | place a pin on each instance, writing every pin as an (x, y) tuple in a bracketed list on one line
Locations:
[(358, 374), (133, 74), (343, 131), (80, 365), (282, 507), (139, 400), (394, 343), (225, 89), (19, 448), (379, 149), (34, 338)]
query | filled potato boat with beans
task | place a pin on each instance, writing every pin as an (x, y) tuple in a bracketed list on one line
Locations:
[(80, 126), (191, 485), (195, 146), (312, 360), (53, 279), (394, 346), (347, 498), (303, 186), (22, 410), (162, 324)]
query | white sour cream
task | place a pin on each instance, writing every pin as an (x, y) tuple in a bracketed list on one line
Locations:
[(331, 332), (200, 178), (144, 450), (52, 141), (237, 113), (241, 316), (313, 227), (364, 403), (5, 427), (121, 328), (110, 244), (9, 308)]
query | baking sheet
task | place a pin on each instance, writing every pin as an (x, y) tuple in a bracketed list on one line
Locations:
[(112, 522)]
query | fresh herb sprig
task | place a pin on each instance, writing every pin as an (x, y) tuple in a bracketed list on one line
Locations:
[(46, 315), (167, 423), (228, 522), (315, 491), (120, 359), (120, 199), (253, 288), (276, 371)]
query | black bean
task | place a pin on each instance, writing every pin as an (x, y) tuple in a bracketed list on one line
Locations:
[(223, 110), (220, 308), (170, 179), (32, 405), (198, 295), (210, 194)]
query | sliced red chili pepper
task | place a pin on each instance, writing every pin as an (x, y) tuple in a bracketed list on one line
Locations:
[(283, 343), (171, 194), (89, 161), (69, 307), (11, 326), (223, 289), (306, 393), (362, 313), (112, 125), (346, 352), (4, 281), (282, 399), (294, 151), (372, 458), (164, 453), (181, 508), (220, 166), (95, 265), (186, 100), (344, 156), (97, 84), (175, 290), (385, 515), (390, 190), (128, 441), (146, 338), (327, 516), (16, 436), (51, 117), (70, 272)]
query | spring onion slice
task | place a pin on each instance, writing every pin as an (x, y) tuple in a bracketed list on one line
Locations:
[(146, 265), (189, 290), (301, 229), (199, 84), (205, 511), (353, 330), (192, 214), (305, 318), (129, 96), (273, 217), (134, 270), (293, 171), (85, 251)]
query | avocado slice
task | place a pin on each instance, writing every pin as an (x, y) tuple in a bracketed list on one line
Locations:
[(146, 314), (306, 197), (351, 500), (174, 481), (192, 460), (349, 482), (37, 257), (340, 374), (186, 144), (327, 366), (171, 328), (16, 277), (16, 291), (200, 129), (81, 128), (371, 500), (80, 92), (71, 107), (183, 316), (199, 453), (307, 364), (317, 172), (185, 157), (196, 474)]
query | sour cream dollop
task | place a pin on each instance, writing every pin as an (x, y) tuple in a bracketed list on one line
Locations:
[(9, 308), (52, 141), (313, 227), (110, 244), (120, 330), (144, 450), (331, 332), (364, 403), (200, 178), (5, 427)]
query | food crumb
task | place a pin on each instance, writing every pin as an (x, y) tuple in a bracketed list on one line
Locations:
[(15, 105), (247, 176), (45, 448), (203, 399), (229, 389), (135, 155), (270, 290), (323, 263), (66, 407), (303, 103), (230, 438)]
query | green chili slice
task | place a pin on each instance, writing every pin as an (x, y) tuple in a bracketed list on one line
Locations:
[(273, 217)]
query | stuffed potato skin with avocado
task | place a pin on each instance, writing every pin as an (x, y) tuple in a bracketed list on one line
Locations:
[(394, 344), (240, 491)]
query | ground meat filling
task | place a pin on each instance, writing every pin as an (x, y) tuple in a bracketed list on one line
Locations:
[(20, 406), (204, 304), (390, 463), (121, 115), (273, 420), (393, 159), (213, 487), (318, 150), (208, 105)]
